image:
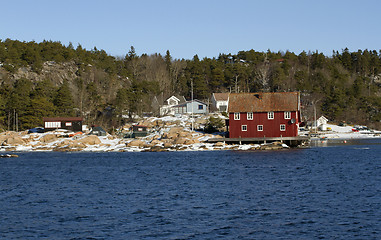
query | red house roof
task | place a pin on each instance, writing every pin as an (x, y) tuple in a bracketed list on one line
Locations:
[(264, 102)]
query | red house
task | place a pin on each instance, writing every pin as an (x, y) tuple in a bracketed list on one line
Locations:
[(259, 115)]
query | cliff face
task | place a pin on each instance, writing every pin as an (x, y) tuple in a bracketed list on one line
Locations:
[(56, 72), (92, 91), (78, 77)]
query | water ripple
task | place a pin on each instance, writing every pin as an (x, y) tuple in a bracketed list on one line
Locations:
[(317, 193)]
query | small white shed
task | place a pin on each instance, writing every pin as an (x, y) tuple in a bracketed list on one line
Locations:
[(321, 123)]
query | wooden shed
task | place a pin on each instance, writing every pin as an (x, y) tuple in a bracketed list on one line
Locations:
[(69, 123)]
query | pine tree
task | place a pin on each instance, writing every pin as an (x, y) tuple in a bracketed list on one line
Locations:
[(63, 100), (38, 108)]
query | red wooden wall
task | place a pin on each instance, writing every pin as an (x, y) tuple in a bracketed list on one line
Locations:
[(271, 127)]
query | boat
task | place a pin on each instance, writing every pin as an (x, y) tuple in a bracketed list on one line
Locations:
[(8, 155)]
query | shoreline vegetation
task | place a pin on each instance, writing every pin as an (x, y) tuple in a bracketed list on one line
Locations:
[(166, 134), (53, 80)]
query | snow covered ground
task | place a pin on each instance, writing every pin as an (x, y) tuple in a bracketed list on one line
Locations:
[(346, 132), (162, 137)]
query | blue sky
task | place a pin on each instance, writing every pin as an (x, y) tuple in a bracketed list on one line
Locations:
[(203, 27)]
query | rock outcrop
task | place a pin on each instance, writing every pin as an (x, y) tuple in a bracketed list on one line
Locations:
[(14, 140), (48, 138), (135, 143), (90, 140)]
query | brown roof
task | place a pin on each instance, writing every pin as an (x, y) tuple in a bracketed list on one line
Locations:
[(221, 96), (264, 102), (50, 119)]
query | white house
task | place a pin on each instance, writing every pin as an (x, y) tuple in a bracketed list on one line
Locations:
[(195, 106), (220, 101), (167, 109), (321, 123)]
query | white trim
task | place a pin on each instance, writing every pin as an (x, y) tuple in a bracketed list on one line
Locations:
[(52, 124), (283, 127), (251, 116), (174, 99), (236, 116), (259, 128), (287, 115), (270, 115), (244, 128)]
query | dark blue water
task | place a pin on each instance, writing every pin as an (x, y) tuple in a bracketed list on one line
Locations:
[(317, 193)]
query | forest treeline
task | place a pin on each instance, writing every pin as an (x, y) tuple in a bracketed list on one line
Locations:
[(345, 86)]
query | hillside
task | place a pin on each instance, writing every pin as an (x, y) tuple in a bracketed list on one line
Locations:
[(50, 79)]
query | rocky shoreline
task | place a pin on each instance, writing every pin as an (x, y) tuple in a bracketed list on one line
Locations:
[(165, 135), (171, 141)]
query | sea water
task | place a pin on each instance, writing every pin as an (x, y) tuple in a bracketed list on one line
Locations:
[(314, 193)]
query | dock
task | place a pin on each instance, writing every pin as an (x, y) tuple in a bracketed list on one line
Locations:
[(290, 141)]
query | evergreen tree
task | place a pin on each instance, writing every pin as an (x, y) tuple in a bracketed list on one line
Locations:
[(63, 100), (347, 80), (302, 81), (217, 79), (197, 79), (168, 61), (122, 104), (44, 88), (346, 59), (38, 108), (19, 100)]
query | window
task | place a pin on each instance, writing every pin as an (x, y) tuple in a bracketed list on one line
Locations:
[(223, 108), (260, 128), (52, 124), (249, 116), (179, 110), (283, 127), (270, 115), (236, 116), (68, 124), (287, 115), (200, 107), (244, 128)]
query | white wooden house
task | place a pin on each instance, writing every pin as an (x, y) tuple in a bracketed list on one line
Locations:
[(220, 102), (167, 108), (195, 106), (321, 123)]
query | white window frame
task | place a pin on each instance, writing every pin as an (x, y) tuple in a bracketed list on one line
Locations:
[(250, 116), (244, 128), (270, 115), (260, 128), (236, 116), (287, 115), (283, 127), (52, 124)]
